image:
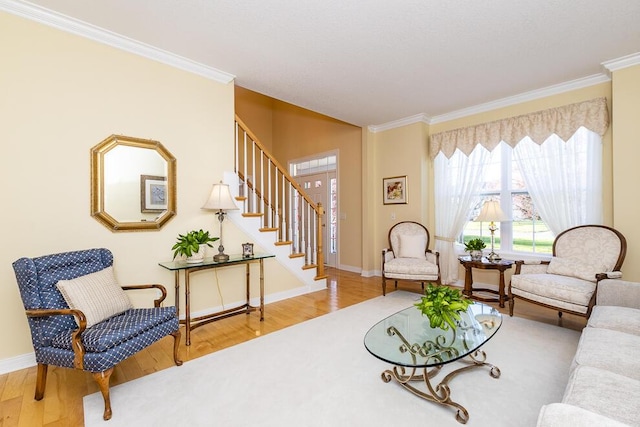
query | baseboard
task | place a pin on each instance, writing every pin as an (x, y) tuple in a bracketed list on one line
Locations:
[(349, 268), (18, 362)]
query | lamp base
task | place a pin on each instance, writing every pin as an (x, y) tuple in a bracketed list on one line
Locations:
[(220, 257)]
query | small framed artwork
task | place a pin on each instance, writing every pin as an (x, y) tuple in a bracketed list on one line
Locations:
[(153, 193), (247, 250), (394, 190)]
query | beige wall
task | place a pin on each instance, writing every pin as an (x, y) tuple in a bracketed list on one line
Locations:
[(626, 173), (398, 152), (63, 94), (297, 133), (404, 149)]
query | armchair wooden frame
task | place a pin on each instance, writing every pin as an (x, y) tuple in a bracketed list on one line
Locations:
[(101, 378), (387, 253), (615, 273)]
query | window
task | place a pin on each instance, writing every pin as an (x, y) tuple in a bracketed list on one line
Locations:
[(503, 182), (565, 177)]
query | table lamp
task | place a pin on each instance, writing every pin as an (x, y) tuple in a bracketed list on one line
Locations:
[(220, 200), (492, 213)]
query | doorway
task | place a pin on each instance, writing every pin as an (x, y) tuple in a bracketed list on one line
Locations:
[(318, 177)]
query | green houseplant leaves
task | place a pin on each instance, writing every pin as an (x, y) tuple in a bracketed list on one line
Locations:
[(442, 305), (189, 243), (475, 245)]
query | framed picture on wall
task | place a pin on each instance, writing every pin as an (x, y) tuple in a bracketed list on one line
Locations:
[(394, 190), (153, 193)]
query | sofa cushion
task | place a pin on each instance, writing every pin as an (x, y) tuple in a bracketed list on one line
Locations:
[(97, 295), (605, 393), (555, 287), (562, 415), (623, 319), (610, 350)]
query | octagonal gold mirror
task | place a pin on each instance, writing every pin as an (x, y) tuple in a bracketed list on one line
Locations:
[(133, 184)]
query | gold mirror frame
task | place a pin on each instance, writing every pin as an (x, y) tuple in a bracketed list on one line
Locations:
[(98, 184)]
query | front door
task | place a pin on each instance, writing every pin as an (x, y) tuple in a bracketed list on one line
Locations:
[(322, 188)]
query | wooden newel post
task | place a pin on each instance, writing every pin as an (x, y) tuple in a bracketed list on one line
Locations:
[(320, 257)]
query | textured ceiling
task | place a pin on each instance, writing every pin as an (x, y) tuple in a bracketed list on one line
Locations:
[(377, 61)]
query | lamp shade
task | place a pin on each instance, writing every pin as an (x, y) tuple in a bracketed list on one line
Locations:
[(220, 199), (491, 212)]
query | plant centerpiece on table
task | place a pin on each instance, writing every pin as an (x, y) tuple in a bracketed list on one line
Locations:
[(442, 305), (475, 247), (191, 245)]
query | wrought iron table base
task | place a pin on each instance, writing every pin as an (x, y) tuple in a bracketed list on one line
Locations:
[(441, 393)]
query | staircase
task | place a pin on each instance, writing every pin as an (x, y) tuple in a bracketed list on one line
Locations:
[(275, 211)]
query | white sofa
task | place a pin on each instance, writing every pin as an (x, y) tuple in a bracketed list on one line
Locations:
[(604, 386)]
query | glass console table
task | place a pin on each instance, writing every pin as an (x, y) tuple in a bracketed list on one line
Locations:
[(208, 264), (418, 352)]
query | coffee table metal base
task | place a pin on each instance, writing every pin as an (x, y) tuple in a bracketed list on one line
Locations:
[(441, 393)]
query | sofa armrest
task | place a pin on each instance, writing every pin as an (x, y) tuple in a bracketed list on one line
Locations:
[(618, 292), (162, 289)]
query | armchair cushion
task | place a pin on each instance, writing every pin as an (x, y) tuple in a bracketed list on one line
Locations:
[(575, 268), (97, 295), (410, 267), (118, 329), (555, 287), (412, 246)]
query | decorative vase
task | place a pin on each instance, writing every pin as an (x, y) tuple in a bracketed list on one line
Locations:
[(476, 255), (197, 257)]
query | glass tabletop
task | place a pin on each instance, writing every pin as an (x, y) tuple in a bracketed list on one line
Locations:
[(208, 261), (406, 338)]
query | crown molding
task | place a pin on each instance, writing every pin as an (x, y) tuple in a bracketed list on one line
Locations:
[(524, 97), (418, 118), (623, 62), (83, 29)]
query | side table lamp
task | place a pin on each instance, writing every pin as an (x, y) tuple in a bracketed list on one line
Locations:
[(492, 213), (220, 200)]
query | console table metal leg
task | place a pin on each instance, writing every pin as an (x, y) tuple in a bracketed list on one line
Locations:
[(261, 290), (187, 308)]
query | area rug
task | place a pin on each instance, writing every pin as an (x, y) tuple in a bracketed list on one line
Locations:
[(318, 373)]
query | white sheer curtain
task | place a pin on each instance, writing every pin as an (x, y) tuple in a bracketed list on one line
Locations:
[(458, 181), (564, 179)]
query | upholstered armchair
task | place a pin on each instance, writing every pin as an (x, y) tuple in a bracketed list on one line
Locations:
[(408, 256), (582, 256), (81, 318)]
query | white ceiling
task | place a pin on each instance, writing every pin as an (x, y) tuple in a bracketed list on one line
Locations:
[(371, 62)]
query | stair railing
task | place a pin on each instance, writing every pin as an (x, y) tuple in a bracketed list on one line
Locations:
[(269, 192)]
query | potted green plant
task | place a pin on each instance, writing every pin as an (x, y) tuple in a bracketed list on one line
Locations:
[(475, 247), (191, 245), (442, 305)]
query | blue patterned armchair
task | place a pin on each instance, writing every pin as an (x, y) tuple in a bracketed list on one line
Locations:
[(64, 337)]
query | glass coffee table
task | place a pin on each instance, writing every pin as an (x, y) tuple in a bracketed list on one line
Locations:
[(418, 352)]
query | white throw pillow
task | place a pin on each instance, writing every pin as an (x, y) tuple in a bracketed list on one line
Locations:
[(97, 295), (412, 246), (574, 268)]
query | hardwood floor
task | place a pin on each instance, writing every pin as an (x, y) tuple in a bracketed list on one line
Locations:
[(62, 404)]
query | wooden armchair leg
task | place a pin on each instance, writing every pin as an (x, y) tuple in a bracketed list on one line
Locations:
[(41, 381), (176, 346), (384, 286), (102, 378), (511, 304)]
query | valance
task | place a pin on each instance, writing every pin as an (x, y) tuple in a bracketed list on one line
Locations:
[(563, 121)]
